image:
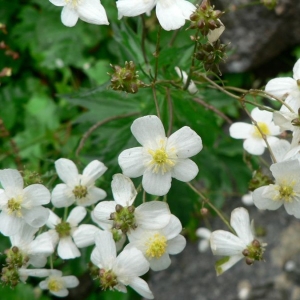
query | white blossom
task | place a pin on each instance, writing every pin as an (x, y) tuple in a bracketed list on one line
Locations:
[(149, 215), (285, 191), (171, 14), (204, 235), (77, 188), (90, 11), (160, 158), (287, 89), (21, 205), (236, 247), (116, 272), (192, 87), (253, 140), (57, 284), (156, 245)]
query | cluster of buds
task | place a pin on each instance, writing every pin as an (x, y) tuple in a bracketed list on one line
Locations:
[(205, 18), (254, 252), (15, 260), (211, 54), (259, 179), (125, 79), (123, 218), (31, 177)]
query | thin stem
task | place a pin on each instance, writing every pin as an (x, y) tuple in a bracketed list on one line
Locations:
[(156, 53), (97, 125), (170, 106), (66, 213), (207, 201), (144, 33), (155, 101), (212, 108)]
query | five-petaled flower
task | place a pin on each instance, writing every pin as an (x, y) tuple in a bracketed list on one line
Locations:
[(160, 158)]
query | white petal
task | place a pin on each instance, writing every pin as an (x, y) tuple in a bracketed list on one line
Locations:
[(132, 8), (130, 263), (58, 2), (254, 146), (37, 260), (186, 142), (92, 171), (176, 245), (131, 162), (69, 16), (141, 287), (240, 222), (53, 219), (67, 249), (156, 183), (104, 256), (70, 281), (10, 225), (37, 216), (34, 272), (152, 215), (94, 195), (240, 130), (61, 293), (203, 232), (123, 190), (213, 35), (36, 194), (261, 115), (185, 170), (84, 235), (11, 179), (288, 170), (76, 215), (102, 212), (66, 169), (264, 203), (92, 12), (280, 86), (280, 148), (159, 264), (147, 130), (225, 243), (296, 70), (173, 228), (228, 264), (62, 196)]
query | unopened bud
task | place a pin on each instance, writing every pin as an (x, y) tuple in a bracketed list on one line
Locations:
[(204, 211)]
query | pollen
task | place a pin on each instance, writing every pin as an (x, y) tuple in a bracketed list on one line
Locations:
[(286, 193), (63, 229), (14, 206), (55, 284), (264, 128), (73, 3), (161, 161), (156, 246), (80, 191)]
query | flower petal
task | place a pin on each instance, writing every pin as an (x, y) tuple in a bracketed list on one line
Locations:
[(67, 170), (62, 196), (11, 179), (36, 216), (36, 194), (185, 170), (123, 190), (101, 213), (10, 225), (186, 142), (262, 202), (148, 130), (131, 162), (69, 16), (176, 245), (84, 235), (159, 264), (70, 281), (155, 183), (92, 12), (280, 86), (173, 228), (76, 215), (240, 130), (224, 266), (141, 287), (67, 249), (92, 171), (254, 146), (132, 8)]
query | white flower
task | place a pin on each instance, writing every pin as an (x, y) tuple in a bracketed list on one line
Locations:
[(171, 14), (287, 88), (90, 11), (156, 245), (204, 234), (149, 215), (35, 250), (77, 188), (254, 143), (247, 199), (24, 273), (235, 247), (58, 284), (160, 158), (285, 191), (192, 87), (20, 205), (116, 272), (63, 232)]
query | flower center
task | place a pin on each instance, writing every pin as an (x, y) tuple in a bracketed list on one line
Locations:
[(161, 161), (253, 252), (80, 191), (286, 193), (108, 279), (55, 284), (63, 229), (264, 128), (73, 3), (14, 206), (123, 218), (157, 245)]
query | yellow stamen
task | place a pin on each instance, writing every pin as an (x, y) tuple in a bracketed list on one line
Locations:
[(286, 192), (156, 246), (14, 206), (264, 128), (55, 284)]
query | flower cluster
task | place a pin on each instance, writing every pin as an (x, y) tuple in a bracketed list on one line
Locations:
[(144, 235)]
